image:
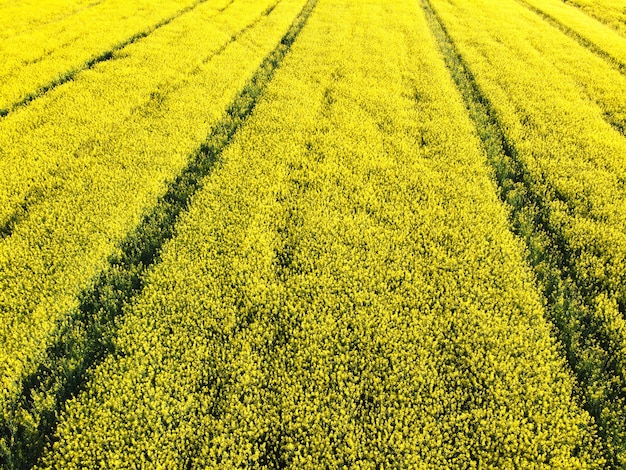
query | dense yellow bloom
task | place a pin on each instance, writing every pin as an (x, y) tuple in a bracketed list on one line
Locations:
[(611, 12), (92, 156), (606, 39), (44, 46), (343, 289), (563, 109), (343, 292), (21, 17)]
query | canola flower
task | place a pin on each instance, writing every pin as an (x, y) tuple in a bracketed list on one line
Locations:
[(560, 65), (611, 12), (602, 37), (23, 19), (568, 154), (343, 292), (97, 152), (35, 57)]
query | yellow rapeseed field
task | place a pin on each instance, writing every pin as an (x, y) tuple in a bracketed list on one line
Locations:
[(310, 234), (36, 54), (81, 165), (20, 17), (343, 292), (611, 12), (562, 109), (579, 24)]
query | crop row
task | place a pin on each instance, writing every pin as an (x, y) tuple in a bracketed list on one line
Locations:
[(596, 35), (37, 58), (344, 290), (562, 168), (24, 18), (93, 156), (611, 12)]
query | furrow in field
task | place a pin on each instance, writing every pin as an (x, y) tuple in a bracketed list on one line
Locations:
[(557, 55), (565, 204), (595, 36), (64, 240), (40, 59), (343, 292), (34, 148), (610, 12)]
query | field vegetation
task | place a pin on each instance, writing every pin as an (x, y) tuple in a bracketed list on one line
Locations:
[(50, 47), (313, 234), (611, 12), (564, 176)]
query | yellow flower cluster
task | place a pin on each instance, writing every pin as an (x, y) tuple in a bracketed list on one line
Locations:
[(565, 123), (65, 37), (22, 18), (80, 166), (344, 290), (611, 12), (606, 39)]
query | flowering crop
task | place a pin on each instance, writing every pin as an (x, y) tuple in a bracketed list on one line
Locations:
[(312, 234), (564, 173), (82, 164), (38, 54), (23, 19), (344, 290), (600, 37), (611, 12)]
